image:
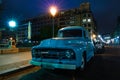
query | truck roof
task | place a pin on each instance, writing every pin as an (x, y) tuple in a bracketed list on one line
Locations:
[(72, 27)]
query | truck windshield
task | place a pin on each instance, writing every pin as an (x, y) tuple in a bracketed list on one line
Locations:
[(70, 33)]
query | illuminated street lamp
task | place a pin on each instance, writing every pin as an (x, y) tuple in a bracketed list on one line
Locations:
[(12, 25), (93, 36), (53, 11)]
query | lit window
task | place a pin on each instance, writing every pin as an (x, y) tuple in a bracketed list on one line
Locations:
[(72, 22), (84, 20), (62, 12), (72, 17), (84, 25), (89, 20)]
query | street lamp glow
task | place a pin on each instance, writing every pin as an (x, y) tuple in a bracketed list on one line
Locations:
[(53, 10), (117, 36), (12, 24), (94, 36), (11, 38), (99, 36)]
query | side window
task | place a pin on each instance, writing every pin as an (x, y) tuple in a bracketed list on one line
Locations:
[(86, 35)]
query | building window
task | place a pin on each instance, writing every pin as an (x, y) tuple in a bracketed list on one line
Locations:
[(72, 18), (89, 20), (72, 22), (84, 25), (84, 20), (84, 15), (89, 25), (89, 15), (62, 12)]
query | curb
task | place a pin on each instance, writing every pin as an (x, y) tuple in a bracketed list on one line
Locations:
[(10, 71)]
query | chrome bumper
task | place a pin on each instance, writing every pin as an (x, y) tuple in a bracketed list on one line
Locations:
[(53, 65)]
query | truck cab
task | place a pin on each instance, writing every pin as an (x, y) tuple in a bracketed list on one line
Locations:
[(71, 49)]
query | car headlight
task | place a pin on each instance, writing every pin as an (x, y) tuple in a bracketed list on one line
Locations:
[(69, 54), (35, 53), (33, 50)]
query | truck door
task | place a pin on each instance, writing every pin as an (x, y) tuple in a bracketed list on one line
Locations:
[(88, 45)]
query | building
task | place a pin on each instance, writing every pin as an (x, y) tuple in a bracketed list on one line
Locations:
[(116, 34), (1, 9), (24, 32), (41, 26), (0, 17), (1, 13), (80, 16), (117, 29), (2, 26)]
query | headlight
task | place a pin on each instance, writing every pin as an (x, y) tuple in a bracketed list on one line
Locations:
[(69, 54), (33, 50), (35, 53)]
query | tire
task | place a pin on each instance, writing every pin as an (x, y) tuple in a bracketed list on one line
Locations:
[(83, 65)]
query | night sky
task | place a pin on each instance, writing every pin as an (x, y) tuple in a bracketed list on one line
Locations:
[(104, 11)]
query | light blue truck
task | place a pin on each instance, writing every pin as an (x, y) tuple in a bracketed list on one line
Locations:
[(71, 49)]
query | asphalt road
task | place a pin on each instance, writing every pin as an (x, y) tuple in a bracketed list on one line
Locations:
[(105, 66)]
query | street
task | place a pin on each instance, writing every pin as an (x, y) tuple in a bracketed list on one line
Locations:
[(104, 66)]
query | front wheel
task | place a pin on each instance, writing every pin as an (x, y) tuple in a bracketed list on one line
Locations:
[(83, 63)]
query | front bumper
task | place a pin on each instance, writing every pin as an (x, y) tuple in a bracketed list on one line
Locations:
[(53, 65)]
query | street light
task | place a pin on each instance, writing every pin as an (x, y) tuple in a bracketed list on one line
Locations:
[(12, 25), (93, 36), (53, 11)]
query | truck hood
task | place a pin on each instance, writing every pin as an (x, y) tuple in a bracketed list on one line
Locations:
[(62, 42)]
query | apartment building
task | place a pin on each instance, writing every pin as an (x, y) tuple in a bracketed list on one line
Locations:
[(41, 26), (116, 33)]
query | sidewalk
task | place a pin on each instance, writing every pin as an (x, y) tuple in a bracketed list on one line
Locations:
[(13, 61)]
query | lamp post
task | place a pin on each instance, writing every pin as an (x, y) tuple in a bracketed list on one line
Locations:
[(27, 30), (53, 11), (12, 25)]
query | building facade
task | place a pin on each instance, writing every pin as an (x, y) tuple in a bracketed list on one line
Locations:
[(117, 29), (116, 33), (41, 26), (82, 16), (0, 18)]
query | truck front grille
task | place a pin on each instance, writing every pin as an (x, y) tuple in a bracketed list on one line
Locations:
[(53, 53)]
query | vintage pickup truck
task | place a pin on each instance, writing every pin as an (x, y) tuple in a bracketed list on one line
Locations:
[(71, 49)]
